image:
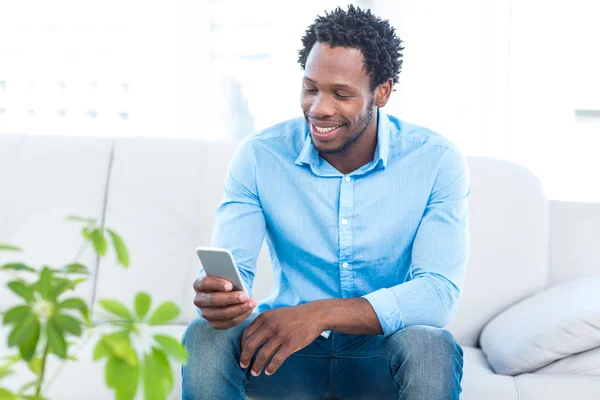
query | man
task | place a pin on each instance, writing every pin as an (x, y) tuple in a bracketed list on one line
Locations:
[(366, 221)]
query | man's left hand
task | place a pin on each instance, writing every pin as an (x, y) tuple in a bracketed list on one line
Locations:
[(285, 330)]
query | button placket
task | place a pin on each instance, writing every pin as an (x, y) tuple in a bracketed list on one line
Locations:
[(346, 208)]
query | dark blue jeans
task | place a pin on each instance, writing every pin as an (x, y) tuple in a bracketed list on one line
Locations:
[(415, 363)]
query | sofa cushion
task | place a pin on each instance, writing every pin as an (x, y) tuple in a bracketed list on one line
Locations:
[(556, 323), (585, 363), (547, 387), (480, 382)]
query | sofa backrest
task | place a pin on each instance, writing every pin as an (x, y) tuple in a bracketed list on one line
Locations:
[(508, 259), (43, 179), (161, 195), (574, 240)]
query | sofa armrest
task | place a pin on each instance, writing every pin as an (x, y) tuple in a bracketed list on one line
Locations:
[(556, 323)]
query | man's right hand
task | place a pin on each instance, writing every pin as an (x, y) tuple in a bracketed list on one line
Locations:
[(221, 307)]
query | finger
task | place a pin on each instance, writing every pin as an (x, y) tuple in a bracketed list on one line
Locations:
[(264, 355), (219, 299), (282, 354), (253, 327), (225, 313), (222, 325), (251, 343), (212, 284)]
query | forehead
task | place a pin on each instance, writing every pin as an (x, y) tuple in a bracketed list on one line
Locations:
[(335, 65)]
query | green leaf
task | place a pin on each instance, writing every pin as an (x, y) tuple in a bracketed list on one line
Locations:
[(17, 267), (56, 340), (102, 350), (58, 286), (26, 334), (142, 305), (158, 379), (120, 346), (28, 346), (87, 233), (22, 330), (67, 323), (6, 395), (22, 289), (17, 314), (120, 248), (75, 304), (35, 365), (9, 247), (117, 308), (166, 312), (122, 377), (99, 241), (76, 268), (172, 347), (80, 219), (44, 283), (13, 358), (78, 281), (4, 372)]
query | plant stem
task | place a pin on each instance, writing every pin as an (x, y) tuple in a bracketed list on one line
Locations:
[(62, 365), (41, 379)]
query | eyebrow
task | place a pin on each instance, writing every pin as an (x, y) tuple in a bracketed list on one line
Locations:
[(335, 85)]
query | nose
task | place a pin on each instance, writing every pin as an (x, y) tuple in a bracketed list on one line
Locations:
[(322, 106)]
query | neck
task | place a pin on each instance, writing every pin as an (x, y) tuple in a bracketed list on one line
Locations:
[(361, 153)]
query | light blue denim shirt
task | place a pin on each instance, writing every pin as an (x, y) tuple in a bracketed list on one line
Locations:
[(395, 231)]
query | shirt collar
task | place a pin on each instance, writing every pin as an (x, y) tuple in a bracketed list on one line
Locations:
[(310, 156)]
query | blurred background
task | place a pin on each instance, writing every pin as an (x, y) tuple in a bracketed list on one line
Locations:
[(510, 79)]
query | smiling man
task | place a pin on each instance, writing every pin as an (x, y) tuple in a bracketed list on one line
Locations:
[(366, 221)]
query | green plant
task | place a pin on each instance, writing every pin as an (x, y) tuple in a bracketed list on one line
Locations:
[(46, 318)]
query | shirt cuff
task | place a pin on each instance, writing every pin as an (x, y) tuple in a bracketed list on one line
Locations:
[(386, 307)]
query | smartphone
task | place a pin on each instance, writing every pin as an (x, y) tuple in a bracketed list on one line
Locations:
[(220, 263)]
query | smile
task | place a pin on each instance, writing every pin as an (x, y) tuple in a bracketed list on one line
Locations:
[(324, 133)]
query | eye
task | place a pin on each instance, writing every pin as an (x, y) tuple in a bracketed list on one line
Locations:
[(343, 96), (308, 90)]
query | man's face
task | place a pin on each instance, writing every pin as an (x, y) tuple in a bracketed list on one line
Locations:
[(336, 99)]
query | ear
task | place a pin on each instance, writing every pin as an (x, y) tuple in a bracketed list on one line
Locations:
[(383, 92)]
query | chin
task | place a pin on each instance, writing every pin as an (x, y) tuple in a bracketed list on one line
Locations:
[(328, 148)]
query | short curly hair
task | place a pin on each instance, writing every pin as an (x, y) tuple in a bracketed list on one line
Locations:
[(358, 29)]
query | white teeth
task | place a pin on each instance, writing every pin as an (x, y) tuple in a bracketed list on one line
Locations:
[(325, 130)]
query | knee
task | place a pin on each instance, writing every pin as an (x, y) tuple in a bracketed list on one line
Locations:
[(213, 357), (201, 338), (427, 363), (426, 346)]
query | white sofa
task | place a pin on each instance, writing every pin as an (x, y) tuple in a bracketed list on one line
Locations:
[(161, 194)]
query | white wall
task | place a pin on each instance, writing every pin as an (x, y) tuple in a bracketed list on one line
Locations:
[(501, 78)]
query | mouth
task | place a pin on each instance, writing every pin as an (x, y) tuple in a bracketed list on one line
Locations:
[(324, 133)]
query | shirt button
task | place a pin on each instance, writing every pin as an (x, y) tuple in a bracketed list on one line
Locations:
[(344, 221), (347, 179), (345, 265)]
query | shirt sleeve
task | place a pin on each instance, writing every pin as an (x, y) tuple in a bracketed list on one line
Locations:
[(239, 220), (439, 256)]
